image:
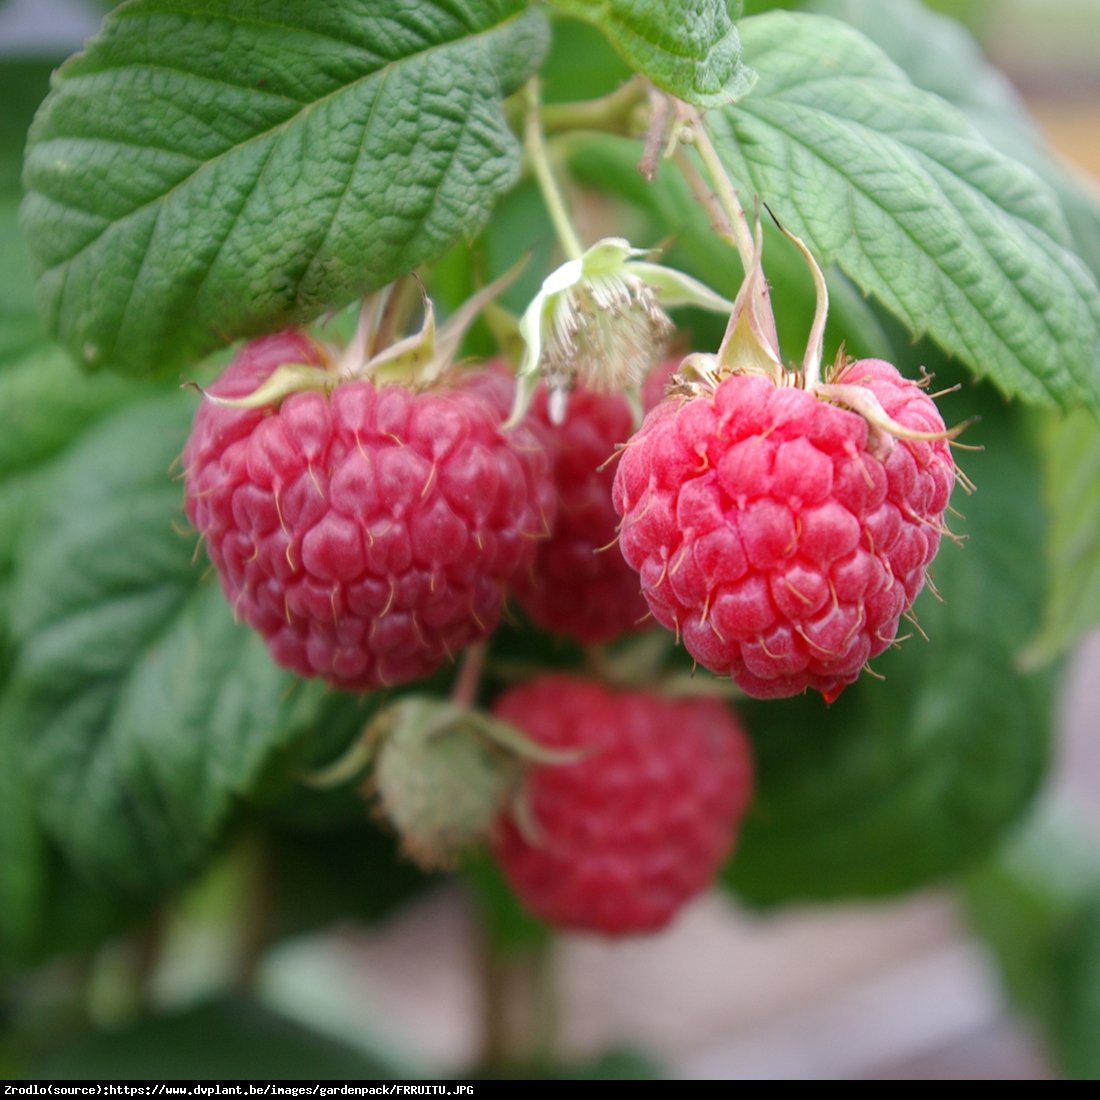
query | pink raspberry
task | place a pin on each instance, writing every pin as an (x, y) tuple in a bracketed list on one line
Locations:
[(770, 535), (578, 583), (641, 822), (368, 533)]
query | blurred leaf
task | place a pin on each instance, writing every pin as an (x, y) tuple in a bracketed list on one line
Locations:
[(44, 402), (19, 325), (689, 48), (23, 852), (1073, 545), (1037, 906), (45, 907), (581, 63), (621, 1064), (230, 1039), (896, 187), (171, 201), (904, 782), (341, 873), (45, 405), (146, 714), (24, 83)]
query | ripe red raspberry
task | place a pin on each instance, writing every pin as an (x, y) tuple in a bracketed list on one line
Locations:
[(770, 534), (367, 533), (641, 822)]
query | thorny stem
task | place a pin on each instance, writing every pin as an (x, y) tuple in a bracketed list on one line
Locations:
[(657, 135), (706, 197), (540, 162), (696, 132)]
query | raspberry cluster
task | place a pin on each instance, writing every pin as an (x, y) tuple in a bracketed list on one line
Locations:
[(782, 536), (642, 819), (368, 533)]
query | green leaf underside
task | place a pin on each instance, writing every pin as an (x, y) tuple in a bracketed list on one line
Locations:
[(689, 48), (212, 169), (1073, 545), (146, 712), (903, 782), (896, 187)]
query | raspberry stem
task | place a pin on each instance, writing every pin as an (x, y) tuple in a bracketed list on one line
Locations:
[(694, 131), (539, 159), (468, 681)]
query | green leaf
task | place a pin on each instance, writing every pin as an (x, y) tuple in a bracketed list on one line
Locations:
[(1037, 906), (146, 713), (941, 56), (896, 187), (44, 407), (580, 64), (1073, 545), (689, 48), (20, 328), (201, 174), (229, 1039), (22, 852), (906, 781), (45, 908)]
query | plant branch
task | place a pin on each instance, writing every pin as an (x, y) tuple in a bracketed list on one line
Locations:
[(540, 163), (695, 132), (468, 681), (707, 198), (610, 114)]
